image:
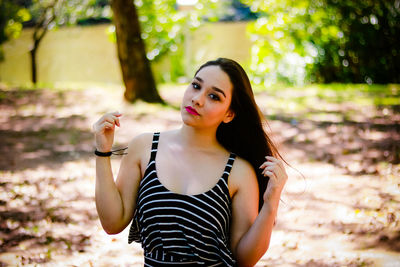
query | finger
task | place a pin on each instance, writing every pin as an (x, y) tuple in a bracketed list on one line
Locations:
[(277, 171), (109, 120), (273, 180), (277, 161), (262, 166), (116, 119), (268, 173), (271, 168), (280, 163), (271, 176), (98, 126), (113, 120), (108, 125), (280, 167), (272, 159), (116, 113), (267, 163)]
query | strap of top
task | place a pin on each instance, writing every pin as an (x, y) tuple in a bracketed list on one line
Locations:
[(228, 166), (154, 146)]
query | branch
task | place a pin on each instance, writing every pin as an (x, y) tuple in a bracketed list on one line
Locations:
[(44, 23)]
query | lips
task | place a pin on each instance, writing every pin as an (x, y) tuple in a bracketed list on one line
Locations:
[(192, 111)]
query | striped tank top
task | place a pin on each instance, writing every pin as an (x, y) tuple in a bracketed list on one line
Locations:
[(178, 229)]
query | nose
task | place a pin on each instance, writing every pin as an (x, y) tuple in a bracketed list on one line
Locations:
[(198, 99)]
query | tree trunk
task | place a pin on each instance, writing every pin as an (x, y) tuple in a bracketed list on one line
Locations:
[(136, 72), (37, 37), (33, 65), (40, 31)]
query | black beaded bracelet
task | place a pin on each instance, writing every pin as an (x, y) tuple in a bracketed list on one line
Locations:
[(112, 152), (102, 154)]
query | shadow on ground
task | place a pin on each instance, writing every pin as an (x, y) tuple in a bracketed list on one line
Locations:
[(46, 188)]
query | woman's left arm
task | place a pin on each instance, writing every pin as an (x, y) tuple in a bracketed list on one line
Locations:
[(251, 232)]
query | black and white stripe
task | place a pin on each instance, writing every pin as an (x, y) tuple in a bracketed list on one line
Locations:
[(178, 229)]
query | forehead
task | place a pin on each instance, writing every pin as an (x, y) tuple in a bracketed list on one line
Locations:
[(214, 76)]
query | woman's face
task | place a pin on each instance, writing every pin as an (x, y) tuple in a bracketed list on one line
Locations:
[(207, 99)]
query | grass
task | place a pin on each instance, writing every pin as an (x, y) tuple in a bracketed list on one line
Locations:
[(334, 100)]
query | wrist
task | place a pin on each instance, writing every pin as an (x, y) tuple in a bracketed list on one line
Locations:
[(102, 150), (272, 199), (272, 192), (108, 153), (270, 206), (102, 154)]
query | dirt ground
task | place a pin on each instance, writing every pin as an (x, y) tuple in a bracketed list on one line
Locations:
[(340, 207)]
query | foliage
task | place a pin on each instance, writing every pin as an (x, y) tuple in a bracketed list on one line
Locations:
[(67, 12), (11, 18), (164, 26), (326, 41), (235, 10), (46, 15)]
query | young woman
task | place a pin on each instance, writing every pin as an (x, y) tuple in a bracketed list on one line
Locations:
[(206, 194)]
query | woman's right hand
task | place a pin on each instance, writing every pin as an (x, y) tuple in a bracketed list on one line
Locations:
[(104, 130)]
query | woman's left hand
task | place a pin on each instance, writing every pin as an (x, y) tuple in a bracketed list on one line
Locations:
[(274, 169)]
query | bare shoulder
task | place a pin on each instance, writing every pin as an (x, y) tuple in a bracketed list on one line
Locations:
[(139, 147), (242, 169), (140, 141), (242, 175)]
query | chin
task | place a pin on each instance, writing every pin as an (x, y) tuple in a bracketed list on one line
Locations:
[(188, 120)]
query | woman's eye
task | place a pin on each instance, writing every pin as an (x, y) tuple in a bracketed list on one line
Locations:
[(195, 86), (214, 97)]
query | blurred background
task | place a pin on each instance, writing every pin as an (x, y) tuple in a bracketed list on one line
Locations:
[(326, 75)]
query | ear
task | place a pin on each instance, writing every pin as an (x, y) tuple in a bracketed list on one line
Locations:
[(229, 116)]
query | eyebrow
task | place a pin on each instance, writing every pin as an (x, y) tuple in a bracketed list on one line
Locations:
[(213, 87)]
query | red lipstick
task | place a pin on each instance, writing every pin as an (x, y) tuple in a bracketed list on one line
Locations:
[(191, 110)]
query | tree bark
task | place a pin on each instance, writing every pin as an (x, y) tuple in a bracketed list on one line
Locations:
[(136, 72), (40, 31), (33, 66), (37, 38)]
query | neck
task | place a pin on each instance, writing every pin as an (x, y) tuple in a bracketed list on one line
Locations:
[(199, 138)]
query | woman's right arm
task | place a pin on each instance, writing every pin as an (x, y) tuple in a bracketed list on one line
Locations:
[(115, 201)]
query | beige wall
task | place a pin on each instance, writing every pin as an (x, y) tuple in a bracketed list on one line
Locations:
[(214, 40), (85, 54)]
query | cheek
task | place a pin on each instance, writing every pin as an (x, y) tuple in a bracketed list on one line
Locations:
[(218, 111), (186, 97)]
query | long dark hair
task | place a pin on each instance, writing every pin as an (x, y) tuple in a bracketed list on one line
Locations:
[(244, 135)]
